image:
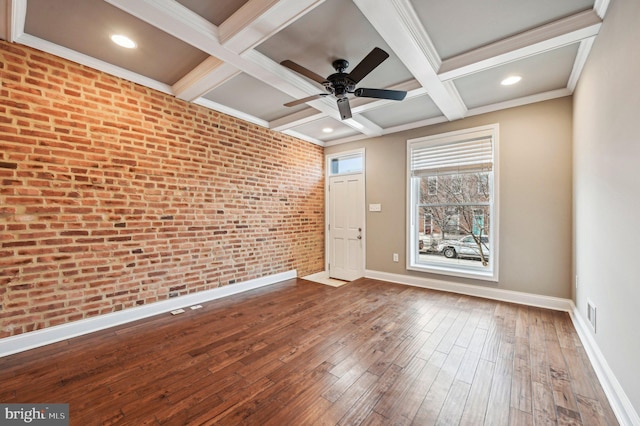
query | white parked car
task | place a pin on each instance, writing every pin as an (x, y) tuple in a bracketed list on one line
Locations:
[(465, 247)]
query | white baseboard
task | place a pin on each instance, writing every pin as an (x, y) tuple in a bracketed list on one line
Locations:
[(540, 301), (45, 336), (618, 399)]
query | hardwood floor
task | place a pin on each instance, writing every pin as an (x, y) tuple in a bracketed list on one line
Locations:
[(301, 353)]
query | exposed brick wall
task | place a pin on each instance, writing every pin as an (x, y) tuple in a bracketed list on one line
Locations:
[(115, 195)]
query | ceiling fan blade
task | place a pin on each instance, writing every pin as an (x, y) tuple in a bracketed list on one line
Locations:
[(368, 64), (394, 95), (303, 71), (344, 108)]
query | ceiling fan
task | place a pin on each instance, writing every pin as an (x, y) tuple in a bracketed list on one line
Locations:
[(340, 83)]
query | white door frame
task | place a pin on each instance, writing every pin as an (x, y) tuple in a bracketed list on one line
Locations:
[(327, 243)]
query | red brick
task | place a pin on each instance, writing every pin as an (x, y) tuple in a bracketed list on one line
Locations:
[(99, 163)]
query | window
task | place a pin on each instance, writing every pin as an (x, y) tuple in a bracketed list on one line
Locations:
[(452, 185), (432, 184), (456, 184), (483, 183), (352, 163)]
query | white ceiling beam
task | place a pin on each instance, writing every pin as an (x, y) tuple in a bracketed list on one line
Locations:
[(208, 75), (551, 36), (363, 125), (601, 6), (184, 24), (257, 20), (397, 22)]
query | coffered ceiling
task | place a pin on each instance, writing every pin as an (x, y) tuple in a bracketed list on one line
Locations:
[(450, 56)]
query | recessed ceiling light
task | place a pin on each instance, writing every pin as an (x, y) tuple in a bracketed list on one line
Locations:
[(123, 41), (511, 80), (327, 130)]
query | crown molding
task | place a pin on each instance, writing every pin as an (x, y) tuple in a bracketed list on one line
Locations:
[(82, 59), (303, 137), (580, 61), (231, 111)]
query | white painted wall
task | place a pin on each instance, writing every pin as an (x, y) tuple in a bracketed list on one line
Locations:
[(606, 148)]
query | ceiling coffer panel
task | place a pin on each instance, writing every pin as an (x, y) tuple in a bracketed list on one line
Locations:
[(458, 26), (216, 11), (249, 95), (86, 27), (540, 74)]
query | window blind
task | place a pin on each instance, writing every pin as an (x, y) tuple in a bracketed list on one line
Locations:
[(469, 155)]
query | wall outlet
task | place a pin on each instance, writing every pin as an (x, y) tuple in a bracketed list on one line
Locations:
[(395, 257), (591, 314)]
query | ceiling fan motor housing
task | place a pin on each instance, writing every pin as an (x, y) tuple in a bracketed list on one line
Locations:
[(339, 84)]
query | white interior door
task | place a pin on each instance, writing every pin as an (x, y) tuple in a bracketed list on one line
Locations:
[(346, 227)]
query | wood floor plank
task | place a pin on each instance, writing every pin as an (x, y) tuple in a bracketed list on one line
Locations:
[(409, 403), (394, 394), (435, 398), (500, 396), (359, 412), (301, 353), (467, 370), (477, 401), (452, 410), (544, 409), (521, 381)]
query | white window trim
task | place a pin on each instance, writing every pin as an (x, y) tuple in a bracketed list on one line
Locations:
[(411, 248)]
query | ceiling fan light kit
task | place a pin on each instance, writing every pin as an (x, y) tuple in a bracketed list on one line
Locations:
[(340, 83)]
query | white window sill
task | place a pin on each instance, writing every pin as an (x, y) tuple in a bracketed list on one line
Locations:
[(462, 272)]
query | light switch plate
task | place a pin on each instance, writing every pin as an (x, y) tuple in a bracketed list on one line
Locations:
[(375, 207)]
